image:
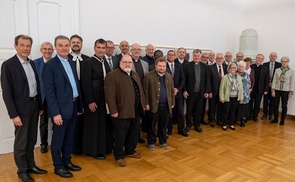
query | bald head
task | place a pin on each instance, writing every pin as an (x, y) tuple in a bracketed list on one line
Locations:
[(124, 47), (149, 50)]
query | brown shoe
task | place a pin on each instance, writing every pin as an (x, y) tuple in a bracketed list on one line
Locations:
[(121, 162), (136, 155)]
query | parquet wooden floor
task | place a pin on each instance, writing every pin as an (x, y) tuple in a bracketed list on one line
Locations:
[(259, 152)]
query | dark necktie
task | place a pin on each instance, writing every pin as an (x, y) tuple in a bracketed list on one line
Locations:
[(219, 72), (110, 63), (172, 70)]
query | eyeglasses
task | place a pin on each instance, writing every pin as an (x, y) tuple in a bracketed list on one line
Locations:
[(110, 47), (47, 49), (136, 49), (127, 62)]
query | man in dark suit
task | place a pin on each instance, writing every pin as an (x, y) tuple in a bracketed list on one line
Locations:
[(76, 44), (112, 61), (46, 51), (216, 72), (260, 86), (149, 57), (268, 100), (21, 95), (181, 53), (178, 79), (196, 88), (124, 47), (64, 101)]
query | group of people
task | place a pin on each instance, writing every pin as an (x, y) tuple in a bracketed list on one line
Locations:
[(98, 104)]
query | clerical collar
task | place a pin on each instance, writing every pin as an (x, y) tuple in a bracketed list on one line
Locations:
[(76, 56), (181, 60)]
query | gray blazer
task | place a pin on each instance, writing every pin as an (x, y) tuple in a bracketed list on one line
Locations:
[(288, 85), (145, 67)]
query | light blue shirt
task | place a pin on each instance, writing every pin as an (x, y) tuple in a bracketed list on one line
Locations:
[(70, 74)]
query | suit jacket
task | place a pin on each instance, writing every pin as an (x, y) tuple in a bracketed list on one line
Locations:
[(189, 74), (15, 88), (39, 63), (84, 57), (119, 56), (149, 60), (183, 64), (120, 94), (145, 67), (214, 78), (115, 62), (58, 89), (151, 87), (178, 78), (276, 66), (263, 81)]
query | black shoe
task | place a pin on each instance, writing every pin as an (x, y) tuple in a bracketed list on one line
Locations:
[(213, 124), (37, 170), (140, 140), (199, 130), (169, 132), (63, 173), (100, 157), (224, 128), (187, 129), (183, 133), (274, 121), (255, 119), (282, 123), (264, 117), (204, 122), (232, 127), (72, 167), (243, 122), (43, 149), (25, 177)]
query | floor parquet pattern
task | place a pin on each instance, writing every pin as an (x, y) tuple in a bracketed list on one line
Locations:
[(258, 152)]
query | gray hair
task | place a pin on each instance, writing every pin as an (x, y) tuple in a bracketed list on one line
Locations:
[(231, 65), (286, 58), (242, 63)]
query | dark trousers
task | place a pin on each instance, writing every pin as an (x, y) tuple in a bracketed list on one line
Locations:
[(193, 103), (256, 100), (284, 96), (229, 111), (203, 108), (214, 108), (78, 137), (268, 103), (25, 139), (177, 114), (126, 135), (159, 119), (62, 140), (44, 125)]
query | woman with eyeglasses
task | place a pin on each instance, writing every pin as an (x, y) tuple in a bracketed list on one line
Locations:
[(230, 95), (282, 88)]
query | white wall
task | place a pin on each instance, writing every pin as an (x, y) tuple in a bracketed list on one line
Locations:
[(274, 22), (214, 24)]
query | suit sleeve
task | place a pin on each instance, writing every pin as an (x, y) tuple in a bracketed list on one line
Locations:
[(6, 84), (110, 93), (49, 87), (266, 81), (146, 89), (207, 80), (87, 82)]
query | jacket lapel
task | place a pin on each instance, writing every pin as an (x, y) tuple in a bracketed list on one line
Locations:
[(60, 66)]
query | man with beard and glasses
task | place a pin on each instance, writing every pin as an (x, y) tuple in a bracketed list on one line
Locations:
[(125, 98)]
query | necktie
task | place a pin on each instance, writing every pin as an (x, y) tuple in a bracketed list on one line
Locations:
[(110, 63), (172, 70), (271, 71), (219, 72), (78, 67)]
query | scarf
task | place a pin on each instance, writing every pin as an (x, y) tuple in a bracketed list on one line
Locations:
[(283, 76), (234, 84)]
